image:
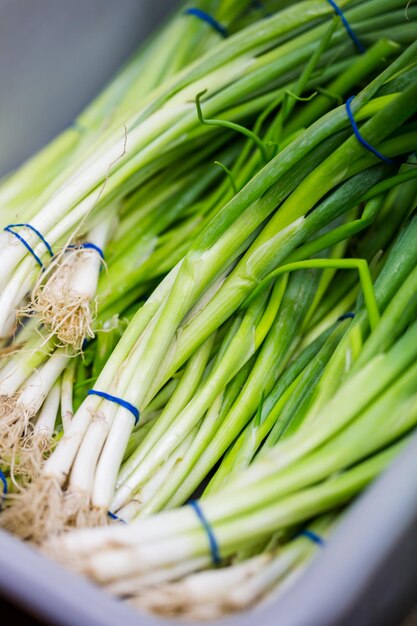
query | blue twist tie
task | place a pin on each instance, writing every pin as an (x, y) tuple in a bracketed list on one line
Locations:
[(214, 546), (359, 136), (314, 537), (346, 316), (5, 488), (115, 517), (9, 229), (124, 403), (89, 246), (209, 19), (347, 26)]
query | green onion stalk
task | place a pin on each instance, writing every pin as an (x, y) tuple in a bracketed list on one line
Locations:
[(210, 284), (63, 304), (76, 288), (167, 213), (20, 440), (48, 171), (213, 593), (280, 411), (30, 371), (159, 445), (176, 538), (245, 335), (342, 294), (241, 400), (166, 53), (382, 415), (65, 299), (131, 487), (111, 107), (296, 385), (318, 467), (283, 412), (359, 376), (123, 155)]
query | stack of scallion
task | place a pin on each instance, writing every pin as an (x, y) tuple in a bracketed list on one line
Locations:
[(208, 307)]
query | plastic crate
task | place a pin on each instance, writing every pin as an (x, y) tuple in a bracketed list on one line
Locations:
[(56, 55)]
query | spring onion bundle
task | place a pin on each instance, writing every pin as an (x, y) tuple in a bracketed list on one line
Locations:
[(227, 305)]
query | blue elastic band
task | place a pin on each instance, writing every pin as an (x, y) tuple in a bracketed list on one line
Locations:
[(89, 246), (346, 316), (92, 246), (359, 136), (314, 537), (209, 19), (347, 26), (115, 517), (214, 546), (5, 487), (86, 342), (124, 403), (9, 229)]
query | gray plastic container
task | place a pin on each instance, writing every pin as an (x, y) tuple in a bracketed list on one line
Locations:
[(54, 57)]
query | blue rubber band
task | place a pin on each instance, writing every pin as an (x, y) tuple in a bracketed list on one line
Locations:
[(214, 546), (5, 487), (115, 517), (38, 233), (209, 19), (124, 403), (89, 246), (347, 26), (92, 246), (359, 136), (346, 316), (314, 537), (9, 229)]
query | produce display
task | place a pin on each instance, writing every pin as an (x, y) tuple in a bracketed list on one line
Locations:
[(208, 303)]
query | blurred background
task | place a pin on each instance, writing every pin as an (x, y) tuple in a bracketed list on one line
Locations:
[(55, 55)]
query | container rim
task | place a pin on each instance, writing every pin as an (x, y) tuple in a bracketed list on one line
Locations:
[(365, 575)]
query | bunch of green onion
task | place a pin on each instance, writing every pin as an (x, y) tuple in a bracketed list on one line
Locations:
[(235, 272)]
